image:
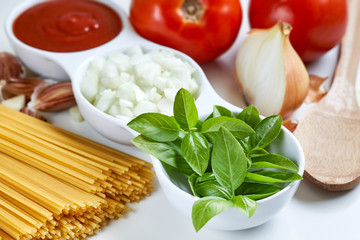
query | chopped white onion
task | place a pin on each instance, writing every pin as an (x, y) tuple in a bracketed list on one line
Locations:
[(165, 106), (121, 60), (75, 114), (90, 84), (16, 103), (134, 51), (106, 99), (97, 63), (129, 83), (126, 103), (145, 106), (110, 75), (170, 93)]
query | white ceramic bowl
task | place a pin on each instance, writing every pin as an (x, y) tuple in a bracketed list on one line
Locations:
[(116, 129), (178, 192), (51, 64)]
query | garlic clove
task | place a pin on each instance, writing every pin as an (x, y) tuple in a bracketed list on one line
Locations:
[(10, 67), (53, 97), (32, 113), (271, 75), (17, 86)]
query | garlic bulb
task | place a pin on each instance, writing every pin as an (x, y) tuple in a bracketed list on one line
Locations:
[(270, 73)]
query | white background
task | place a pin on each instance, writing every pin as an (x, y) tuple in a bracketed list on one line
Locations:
[(311, 214)]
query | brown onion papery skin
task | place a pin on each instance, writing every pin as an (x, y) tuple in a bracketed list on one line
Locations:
[(297, 77)]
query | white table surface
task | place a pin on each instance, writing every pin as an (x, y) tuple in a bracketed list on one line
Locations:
[(311, 214)]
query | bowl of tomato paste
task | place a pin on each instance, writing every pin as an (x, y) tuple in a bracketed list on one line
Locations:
[(44, 33)]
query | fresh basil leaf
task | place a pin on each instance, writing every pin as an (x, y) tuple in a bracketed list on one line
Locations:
[(237, 127), (266, 131), (286, 176), (245, 204), (257, 191), (245, 145), (222, 111), (185, 111), (212, 188), (273, 161), (260, 196), (257, 152), (219, 111), (196, 151), (199, 124), (156, 126), (272, 176), (165, 152), (206, 208), (176, 145), (228, 161), (250, 115), (192, 182), (208, 176), (248, 162), (182, 134), (210, 116)]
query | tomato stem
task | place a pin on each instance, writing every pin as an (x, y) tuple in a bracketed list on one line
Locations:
[(192, 10)]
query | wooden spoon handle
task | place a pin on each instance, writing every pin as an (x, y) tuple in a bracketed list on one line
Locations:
[(341, 98), (347, 66)]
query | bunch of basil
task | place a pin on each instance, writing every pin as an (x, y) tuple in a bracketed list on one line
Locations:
[(223, 157)]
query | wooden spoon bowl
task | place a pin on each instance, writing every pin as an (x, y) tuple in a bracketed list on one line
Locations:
[(330, 131)]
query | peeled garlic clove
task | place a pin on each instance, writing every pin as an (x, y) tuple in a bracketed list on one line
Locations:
[(270, 73), (16, 103), (75, 114)]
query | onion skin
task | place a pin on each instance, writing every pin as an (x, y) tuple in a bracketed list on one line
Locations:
[(297, 78)]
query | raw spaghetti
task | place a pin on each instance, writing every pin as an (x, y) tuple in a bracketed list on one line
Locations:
[(57, 185)]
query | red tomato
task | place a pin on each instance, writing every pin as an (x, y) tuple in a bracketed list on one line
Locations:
[(317, 25), (202, 29)]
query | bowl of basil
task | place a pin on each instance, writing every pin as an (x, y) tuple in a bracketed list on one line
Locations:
[(229, 169)]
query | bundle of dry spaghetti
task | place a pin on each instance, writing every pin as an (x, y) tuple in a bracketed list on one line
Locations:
[(57, 185)]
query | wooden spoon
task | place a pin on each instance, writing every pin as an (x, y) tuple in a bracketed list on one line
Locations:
[(330, 131)]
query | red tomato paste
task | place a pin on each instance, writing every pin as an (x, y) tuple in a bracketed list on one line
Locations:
[(67, 25)]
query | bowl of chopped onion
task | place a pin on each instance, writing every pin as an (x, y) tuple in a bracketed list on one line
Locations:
[(114, 87)]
